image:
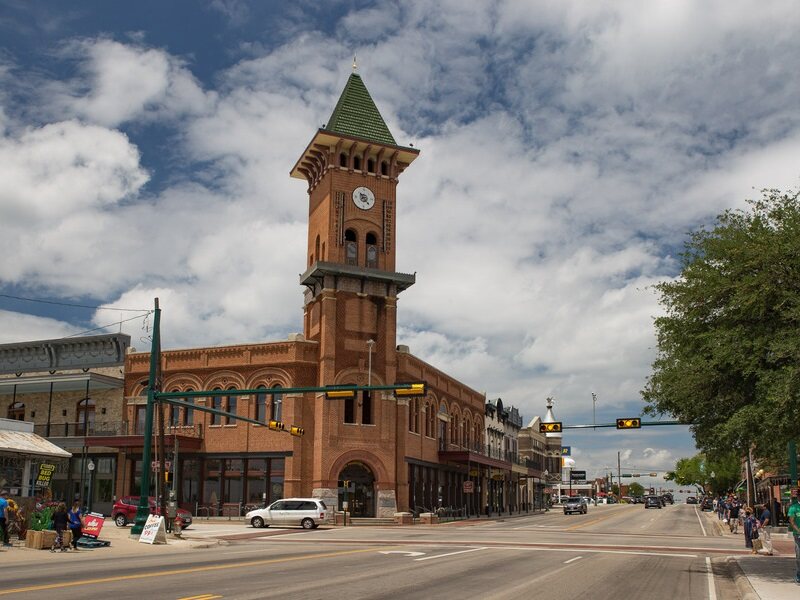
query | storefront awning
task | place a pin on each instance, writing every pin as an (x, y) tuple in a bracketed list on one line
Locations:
[(60, 383), (28, 443)]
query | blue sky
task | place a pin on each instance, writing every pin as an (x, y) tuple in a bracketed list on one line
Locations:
[(566, 150)]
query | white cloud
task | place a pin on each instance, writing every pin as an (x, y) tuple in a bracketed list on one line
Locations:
[(18, 327)]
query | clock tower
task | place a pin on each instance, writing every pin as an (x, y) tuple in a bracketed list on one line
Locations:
[(352, 166)]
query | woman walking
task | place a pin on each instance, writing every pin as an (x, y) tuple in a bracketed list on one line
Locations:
[(750, 529), (75, 523), (60, 522)]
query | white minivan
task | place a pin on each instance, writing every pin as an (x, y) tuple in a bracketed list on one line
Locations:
[(308, 513)]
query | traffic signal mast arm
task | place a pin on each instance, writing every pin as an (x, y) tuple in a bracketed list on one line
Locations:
[(397, 387), (614, 425), (213, 411)]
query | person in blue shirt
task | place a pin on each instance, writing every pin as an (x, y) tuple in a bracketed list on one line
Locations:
[(75, 523), (4, 516)]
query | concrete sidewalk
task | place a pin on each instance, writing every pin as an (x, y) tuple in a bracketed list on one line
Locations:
[(761, 577), (122, 545)]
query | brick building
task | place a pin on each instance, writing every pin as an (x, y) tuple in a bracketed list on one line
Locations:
[(408, 454)]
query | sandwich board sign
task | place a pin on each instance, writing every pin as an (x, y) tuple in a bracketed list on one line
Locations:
[(93, 525), (154, 531)]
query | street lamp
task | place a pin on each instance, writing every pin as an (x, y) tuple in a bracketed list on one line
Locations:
[(370, 346), (90, 466), (594, 418)]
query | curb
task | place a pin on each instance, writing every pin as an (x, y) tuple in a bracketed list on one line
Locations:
[(743, 586)]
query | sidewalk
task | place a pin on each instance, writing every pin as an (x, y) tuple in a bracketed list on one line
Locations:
[(761, 577), (122, 544)]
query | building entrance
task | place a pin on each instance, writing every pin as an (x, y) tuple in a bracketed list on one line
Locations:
[(360, 491)]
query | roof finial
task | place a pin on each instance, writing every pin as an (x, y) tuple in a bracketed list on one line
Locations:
[(355, 66)]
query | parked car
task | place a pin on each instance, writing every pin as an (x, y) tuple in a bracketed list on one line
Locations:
[(691, 500), (124, 511), (308, 513), (576, 504), (707, 504), (652, 502)]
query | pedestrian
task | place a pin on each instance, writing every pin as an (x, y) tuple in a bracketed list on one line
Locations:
[(60, 523), (750, 530), (794, 526), (765, 529), (733, 519), (75, 523), (4, 516)]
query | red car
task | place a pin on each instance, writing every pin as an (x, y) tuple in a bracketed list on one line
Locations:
[(124, 511)]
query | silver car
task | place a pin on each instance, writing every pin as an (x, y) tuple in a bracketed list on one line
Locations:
[(308, 513), (576, 504)]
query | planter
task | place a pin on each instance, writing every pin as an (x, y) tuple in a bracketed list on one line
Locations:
[(44, 540)]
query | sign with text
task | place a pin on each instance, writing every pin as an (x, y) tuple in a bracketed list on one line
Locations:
[(577, 475), (156, 465), (469, 487), (566, 450), (92, 525), (154, 531), (45, 475)]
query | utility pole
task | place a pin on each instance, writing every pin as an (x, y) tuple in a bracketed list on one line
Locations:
[(619, 477), (594, 416)]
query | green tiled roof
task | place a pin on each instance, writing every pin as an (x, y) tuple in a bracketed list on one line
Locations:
[(356, 115)]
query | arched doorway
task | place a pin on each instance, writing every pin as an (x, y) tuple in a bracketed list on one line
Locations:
[(360, 490)]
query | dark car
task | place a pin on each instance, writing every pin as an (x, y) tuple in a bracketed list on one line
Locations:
[(652, 502), (576, 504), (691, 500), (667, 499), (707, 504), (638, 500), (124, 511)]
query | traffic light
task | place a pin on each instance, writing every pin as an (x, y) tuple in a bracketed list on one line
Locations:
[(336, 392), (554, 427), (277, 426), (653, 474), (296, 431), (417, 388), (629, 423)]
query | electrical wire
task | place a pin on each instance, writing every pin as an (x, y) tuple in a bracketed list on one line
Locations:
[(147, 310), (107, 326)]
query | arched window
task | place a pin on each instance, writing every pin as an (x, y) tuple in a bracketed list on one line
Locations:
[(230, 406), (370, 165), (357, 163), (216, 404), (350, 247), (277, 405), (454, 430), (349, 410), (384, 168), (343, 160), (366, 408), (261, 406), (322, 256), (16, 411), (85, 416), (428, 420), (316, 251), (188, 413), (372, 250), (173, 417), (411, 408)]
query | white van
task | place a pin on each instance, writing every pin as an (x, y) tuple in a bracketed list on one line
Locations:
[(308, 513)]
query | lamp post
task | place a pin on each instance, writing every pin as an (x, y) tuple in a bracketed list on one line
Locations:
[(594, 417), (90, 467)]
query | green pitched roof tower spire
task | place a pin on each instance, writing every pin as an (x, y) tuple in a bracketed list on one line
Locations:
[(356, 114)]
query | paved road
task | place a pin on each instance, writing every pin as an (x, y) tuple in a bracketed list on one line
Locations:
[(612, 552)]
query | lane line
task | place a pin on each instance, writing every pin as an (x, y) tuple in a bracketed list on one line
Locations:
[(712, 591), (450, 554), (151, 574), (585, 550), (699, 520), (566, 562)]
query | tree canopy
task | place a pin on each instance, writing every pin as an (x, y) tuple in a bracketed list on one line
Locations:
[(728, 358), (718, 474), (636, 489)]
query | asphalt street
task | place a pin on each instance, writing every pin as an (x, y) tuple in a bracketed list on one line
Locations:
[(612, 552)]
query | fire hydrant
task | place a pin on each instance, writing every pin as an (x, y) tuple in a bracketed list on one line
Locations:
[(177, 526)]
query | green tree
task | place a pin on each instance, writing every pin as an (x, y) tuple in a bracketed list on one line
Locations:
[(636, 489), (717, 474), (728, 357)]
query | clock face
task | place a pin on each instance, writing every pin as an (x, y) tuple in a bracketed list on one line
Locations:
[(363, 198)]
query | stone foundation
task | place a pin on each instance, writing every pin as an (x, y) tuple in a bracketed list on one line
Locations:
[(387, 504)]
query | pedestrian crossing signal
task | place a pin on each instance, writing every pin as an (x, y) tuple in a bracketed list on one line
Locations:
[(296, 431), (554, 427), (277, 426), (629, 423)]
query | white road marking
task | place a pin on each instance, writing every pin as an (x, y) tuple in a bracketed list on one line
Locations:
[(699, 520), (451, 553), (406, 552), (566, 562), (712, 592), (585, 550)]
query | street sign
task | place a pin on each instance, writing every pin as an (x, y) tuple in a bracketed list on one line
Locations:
[(469, 487), (577, 475), (566, 450), (45, 475), (156, 466)]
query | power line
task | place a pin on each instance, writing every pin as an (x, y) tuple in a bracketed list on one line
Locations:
[(107, 326), (75, 305)]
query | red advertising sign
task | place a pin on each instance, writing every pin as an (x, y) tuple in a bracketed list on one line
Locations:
[(92, 525), (469, 487)]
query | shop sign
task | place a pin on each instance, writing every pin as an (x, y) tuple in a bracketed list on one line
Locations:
[(45, 475), (154, 531), (577, 475), (469, 487), (92, 525)]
